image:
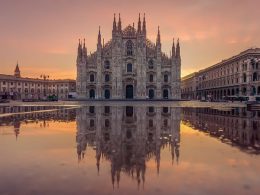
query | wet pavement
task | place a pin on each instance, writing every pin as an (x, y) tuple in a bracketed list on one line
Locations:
[(129, 148)]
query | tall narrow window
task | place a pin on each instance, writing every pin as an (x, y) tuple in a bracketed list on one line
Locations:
[(107, 78), (151, 78), (91, 78), (255, 76), (165, 78), (150, 64), (129, 67), (91, 93), (129, 48), (244, 77), (106, 64)]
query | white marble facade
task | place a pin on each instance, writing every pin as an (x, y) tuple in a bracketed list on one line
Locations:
[(129, 66)]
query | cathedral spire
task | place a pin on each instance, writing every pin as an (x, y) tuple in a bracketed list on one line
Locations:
[(79, 47), (99, 37), (178, 52), (79, 51), (119, 24), (84, 50), (114, 24), (144, 26), (173, 49), (139, 25), (158, 39)]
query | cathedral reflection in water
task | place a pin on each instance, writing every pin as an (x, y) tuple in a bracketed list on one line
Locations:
[(128, 136)]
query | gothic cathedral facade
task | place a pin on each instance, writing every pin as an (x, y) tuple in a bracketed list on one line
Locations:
[(129, 66)]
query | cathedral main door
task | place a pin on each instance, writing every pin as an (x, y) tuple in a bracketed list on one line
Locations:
[(129, 92)]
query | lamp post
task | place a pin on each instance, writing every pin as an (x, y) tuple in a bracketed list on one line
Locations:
[(45, 78)]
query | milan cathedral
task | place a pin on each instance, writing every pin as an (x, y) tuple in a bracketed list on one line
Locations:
[(129, 66)]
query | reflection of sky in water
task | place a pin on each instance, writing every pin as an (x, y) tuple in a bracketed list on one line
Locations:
[(129, 150)]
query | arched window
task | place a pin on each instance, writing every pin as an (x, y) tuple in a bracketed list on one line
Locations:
[(255, 76), (151, 78), (91, 78), (107, 78), (244, 77), (165, 78), (237, 91), (91, 93), (253, 91), (253, 63), (129, 48), (165, 93), (244, 91), (107, 93), (129, 67), (106, 64), (151, 93)]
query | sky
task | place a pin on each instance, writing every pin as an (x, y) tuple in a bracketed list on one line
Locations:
[(42, 35)]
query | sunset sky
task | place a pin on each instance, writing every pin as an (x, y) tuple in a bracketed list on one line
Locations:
[(43, 34)]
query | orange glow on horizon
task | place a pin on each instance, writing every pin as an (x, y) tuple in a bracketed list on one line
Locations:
[(46, 43)]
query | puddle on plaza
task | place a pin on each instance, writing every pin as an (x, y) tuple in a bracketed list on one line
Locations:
[(129, 149)]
